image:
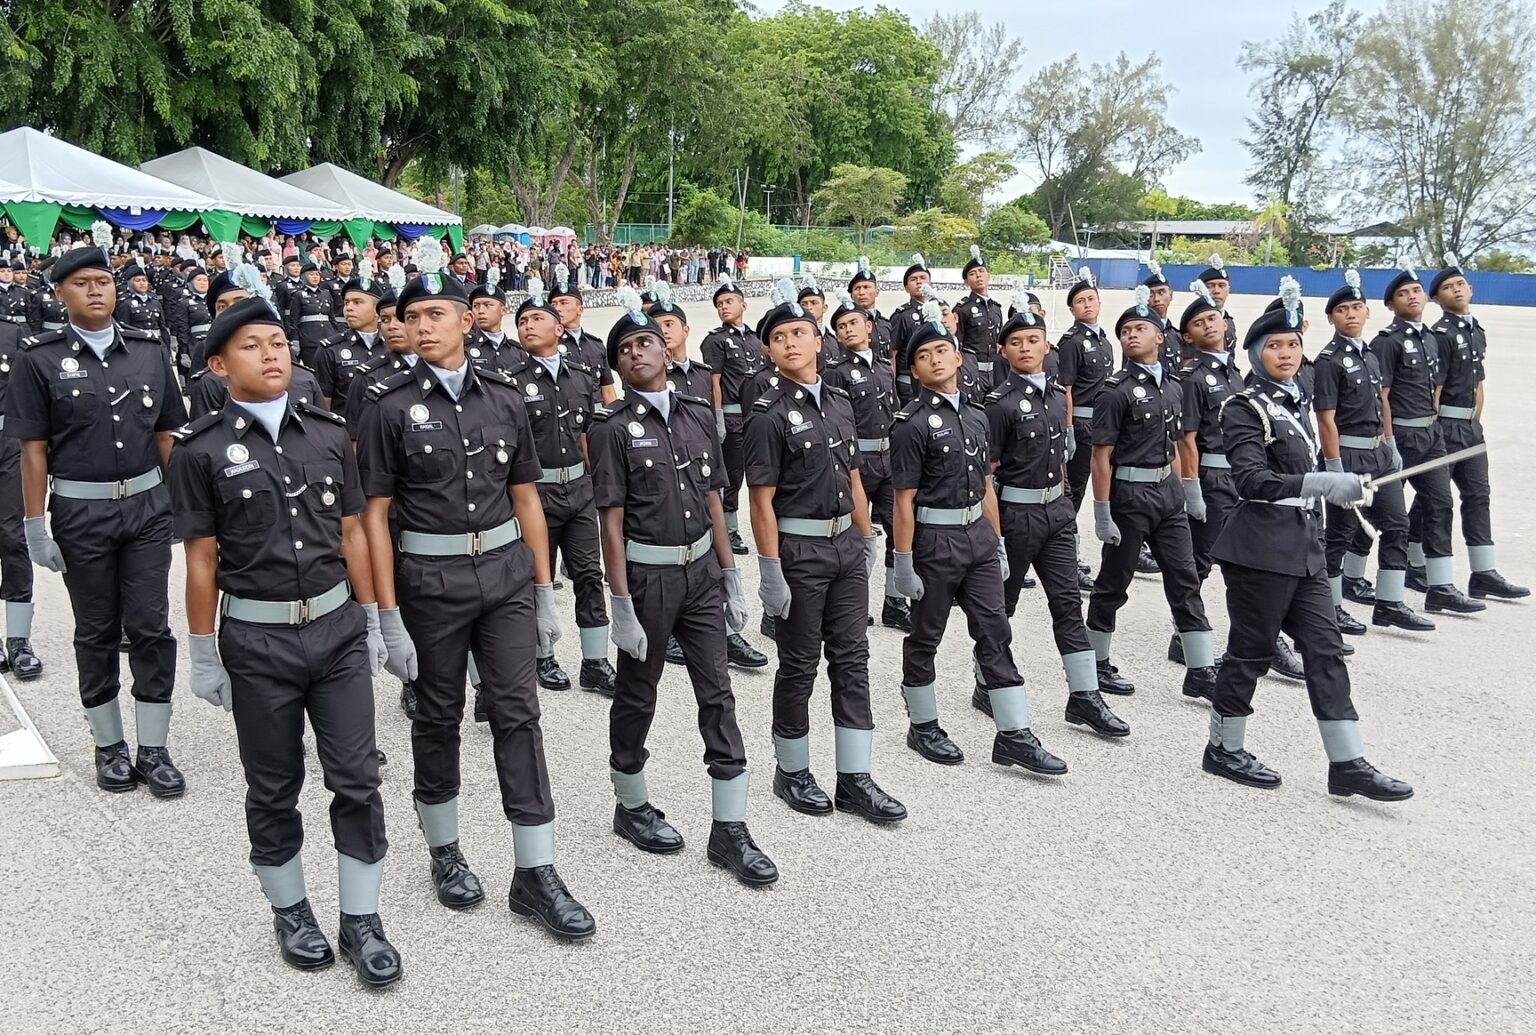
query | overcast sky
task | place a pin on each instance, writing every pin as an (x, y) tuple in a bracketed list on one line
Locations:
[(1199, 45)]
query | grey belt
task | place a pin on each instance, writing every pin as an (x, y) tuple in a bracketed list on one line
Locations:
[(874, 445), (1216, 461), (1413, 422), (315, 318), (905, 379), (677, 556), (201, 328), (468, 544), (561, 475), (1458, 412), (1018, 494), (948, 515), (49, 325), (17, 319), (1359, 441), (830, 529), (1085, 412), (1141, 474), (71, 489), (984, 367), (286, 612), (730, 407)]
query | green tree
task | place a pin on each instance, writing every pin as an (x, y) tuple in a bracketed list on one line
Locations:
[(862, 196), (703, 217), (1498, 260), (1013, 228), (1271, 222), (964, 190), (1157, 204), (978, 64), (1189, 208), (936, 234)]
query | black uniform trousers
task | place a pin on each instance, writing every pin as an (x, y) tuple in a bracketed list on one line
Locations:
[(734, 450), (1151, 513), (15, 562), (829, 599), (1429, 518), (1471, 479), (1220, 501), (959, 565), (688, 602), (454, 605), (572, 521), (1080, 467), (118, 555), (875, 473), (1388, 513), (279, 673), (1262, 604), (1044, 536)]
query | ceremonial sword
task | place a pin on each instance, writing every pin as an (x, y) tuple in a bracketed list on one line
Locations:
[(1372, 484)]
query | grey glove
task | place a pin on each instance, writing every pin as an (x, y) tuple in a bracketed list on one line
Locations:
[(209, 680), (772, 590), (1336, 487), (1002, 558), (625, 630), (720, 425), (1104, 524), (1336, 464), (1071, 443), (378, 653), (736, 600), (871, 555), (545, 617), (42, 549), (1397, 457), (908, 583), (400, 651), (1194, 500)]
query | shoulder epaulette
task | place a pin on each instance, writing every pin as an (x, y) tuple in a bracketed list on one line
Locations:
[(500, 377), (196, 427), (997, 394), (1115, 378), (46, 338), (606, 410), (399, 379), (335, 339), (321, 411), (138, 332), (837, 391), (695, 399)]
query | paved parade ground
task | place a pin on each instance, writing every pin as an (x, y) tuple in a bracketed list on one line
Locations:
[(1135, 894)]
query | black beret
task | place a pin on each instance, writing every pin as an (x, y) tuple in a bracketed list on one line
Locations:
[(75, 260), (243, 313), (1211, 273), (924, 333), (19, 266), (1144, 313), (1403, 279), (918, 266), (570, 290), (386, 302), (627, 326), (486, 291), (809, 291), (1080, 287), (1450, 272), (1195, 308), (672, 309), (310, 265), (976, 263), (1030, 298), (1155, 277), (457, 257), (847, 309), (863, 276), (1279, 303), (221, 284), (783, 313), (424, 288), (342, 257), (410, 267), (1274, 321), (1350, 292), (361, 286), (1020, 321), (292, 259), (727, 287)]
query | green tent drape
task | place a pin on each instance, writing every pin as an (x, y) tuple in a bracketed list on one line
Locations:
[(79, 217), (359, 230), (456, 237), (35, 220), (254, 226), (325, 227), (174, 221), (221, 224), (382, 231)]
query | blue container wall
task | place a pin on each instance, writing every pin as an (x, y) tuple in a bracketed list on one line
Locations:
[(1487, 288), (1112, 273)]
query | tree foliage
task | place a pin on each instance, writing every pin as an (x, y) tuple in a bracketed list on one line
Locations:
[(937, 235), (964, 190), (1013, 228), (979, 62), (863, 196)]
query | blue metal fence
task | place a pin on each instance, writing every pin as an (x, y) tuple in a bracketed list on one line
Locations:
[(1487, 288)]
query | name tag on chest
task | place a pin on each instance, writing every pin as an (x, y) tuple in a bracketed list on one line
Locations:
[(65, 375), (643, 443), (431, 425), (798, 428), (230, 472), (942, 433)]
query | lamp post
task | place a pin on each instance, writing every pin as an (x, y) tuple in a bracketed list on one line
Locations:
[(768, 190)]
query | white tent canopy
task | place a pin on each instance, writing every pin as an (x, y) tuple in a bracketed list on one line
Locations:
[(38, 167), (367, 198), (241, 190)]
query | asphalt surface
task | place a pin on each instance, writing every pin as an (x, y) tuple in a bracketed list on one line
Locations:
[(1136, 894)]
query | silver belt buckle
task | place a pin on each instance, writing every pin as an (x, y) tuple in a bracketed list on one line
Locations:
[(685, 554), (298, 611), (119, 490), (832, 529), (475, 543)]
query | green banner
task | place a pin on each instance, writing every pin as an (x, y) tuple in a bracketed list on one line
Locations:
[(254, 226), (35, 220), (456, 237), (174, 221), (382, 231), (79, 217)]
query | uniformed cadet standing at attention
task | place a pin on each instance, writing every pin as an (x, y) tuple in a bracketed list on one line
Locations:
[(1030, 440), (872, 390), (671, 573), (908, 316), (15, 565), (450, 447), (190, 321), (1161, 299), (44, 310), (814, 300), (344, 355), (1464, 343), (1215, 278), (736, 356), (267, 505), (585, 348), (949, 549), (206, 391), (489, 344), (309, 315), (980, 318), (140, 308), (1409, 354), (560, 392), (13, 292), (1271, 556), (816, 551), (94, 406), (864, 289), (1142, 494), (1085, 358)]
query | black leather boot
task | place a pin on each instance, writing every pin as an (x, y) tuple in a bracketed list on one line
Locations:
[(1084, 579), (363, 945), (20, 659), (154, 769), (1087, 708), (742, 654), (1286, 664), (539, 893), (769, 627), (731, 847), (737, 546), (457, 886), (1395, 614), (1200, 682), (1449, 598), (647, 829), (675, 652), (481, 715), (1146, 564), (597, 676), (800, 791), (408, 701), (1022, 748), (1349, 625), (1358, 776), (896, 613), (114, 769), (1176, 649), (299, 939), (1112, 682), (1239, 767), (1359, 590), (1483, 584), (858, 793), (930, 741), (1416, 579), (551, 676), (981, 700)]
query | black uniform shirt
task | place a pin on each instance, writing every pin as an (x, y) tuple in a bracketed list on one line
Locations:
[(980, 319), (1347, 380), (276, 508), (1231, 336), (44, 311), (10, 349), (1271, 446), (806, 451), (309, 315), (907, 318), (590, 351), (1139, 417), (1173, 352), (697, 380), (940, 452), (1208, 382), (882, 338), (871, 387), (1086, 359), (99, 417), (660, 471), (375, 370), (559, 407), (1026, 430), (13, 303), (1463, 346), (1409, 358), (447, 463), (485, 353), (339, 361), (207, 391), (737, 356)]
